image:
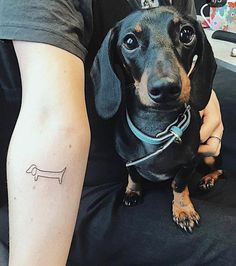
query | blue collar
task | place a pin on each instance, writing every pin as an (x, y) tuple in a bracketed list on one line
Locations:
[(176, 129), (172, 133)]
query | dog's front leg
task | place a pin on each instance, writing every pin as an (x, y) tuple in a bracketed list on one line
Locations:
[(133, 192), (184, 214)]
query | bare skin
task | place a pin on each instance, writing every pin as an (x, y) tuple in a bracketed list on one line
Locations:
[(53, 133), (212, 126)]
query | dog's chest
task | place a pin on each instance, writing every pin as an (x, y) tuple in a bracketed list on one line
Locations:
[(164, 165), (152, 175)]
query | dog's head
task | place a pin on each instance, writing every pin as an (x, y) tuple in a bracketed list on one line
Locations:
[(154, 50)]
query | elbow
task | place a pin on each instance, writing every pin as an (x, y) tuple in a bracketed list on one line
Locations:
[(73, 129), (55, 126), (78, 132)]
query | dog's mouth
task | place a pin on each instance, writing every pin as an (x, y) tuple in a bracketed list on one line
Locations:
[(169, 106)]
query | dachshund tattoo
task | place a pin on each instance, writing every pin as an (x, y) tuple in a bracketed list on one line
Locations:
[(36, 172)]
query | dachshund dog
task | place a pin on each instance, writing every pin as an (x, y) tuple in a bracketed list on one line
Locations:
[(144, 75)]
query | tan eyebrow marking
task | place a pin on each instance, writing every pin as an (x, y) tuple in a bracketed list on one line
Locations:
[(186, 85), (138, 28), (176, 20)]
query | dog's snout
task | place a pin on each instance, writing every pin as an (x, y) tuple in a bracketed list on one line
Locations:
[(162, 91)]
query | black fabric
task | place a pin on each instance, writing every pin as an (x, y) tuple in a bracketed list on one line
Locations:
[(10, 82), (63, 23), (40, 21), (10, 94), (103, 159), (109, 234)]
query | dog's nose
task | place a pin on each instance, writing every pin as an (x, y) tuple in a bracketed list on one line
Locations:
[(162, 91)]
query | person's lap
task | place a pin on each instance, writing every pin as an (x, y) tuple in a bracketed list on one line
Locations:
[(3, 235), (108, 233)]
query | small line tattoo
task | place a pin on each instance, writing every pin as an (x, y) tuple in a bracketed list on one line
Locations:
[(36, 172)]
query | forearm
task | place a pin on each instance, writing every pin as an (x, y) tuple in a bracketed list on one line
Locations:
[(43, 207), (47, 156)]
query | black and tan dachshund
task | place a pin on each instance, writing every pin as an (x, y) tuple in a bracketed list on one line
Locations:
[(144, 74)]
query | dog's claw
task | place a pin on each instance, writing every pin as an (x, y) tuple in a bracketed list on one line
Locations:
[(131, 199), (187, 222), (208, 182), (186, 219), (202, 186), (181, 225), (176, 220), (210, 185)]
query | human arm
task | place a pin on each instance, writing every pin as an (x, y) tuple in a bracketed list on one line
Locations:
[(52, 132), (212, 128)]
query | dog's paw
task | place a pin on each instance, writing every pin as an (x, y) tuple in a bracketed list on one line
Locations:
[(132, 198), (185, 216), (208, 181)]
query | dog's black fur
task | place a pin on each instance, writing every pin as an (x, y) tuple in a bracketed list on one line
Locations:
[(128, 78)]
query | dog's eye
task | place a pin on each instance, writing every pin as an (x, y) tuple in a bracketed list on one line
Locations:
[(186, 35), (131, 42)]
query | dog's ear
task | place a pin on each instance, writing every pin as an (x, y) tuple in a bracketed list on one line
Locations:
[(107, 85), (204, 71)]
